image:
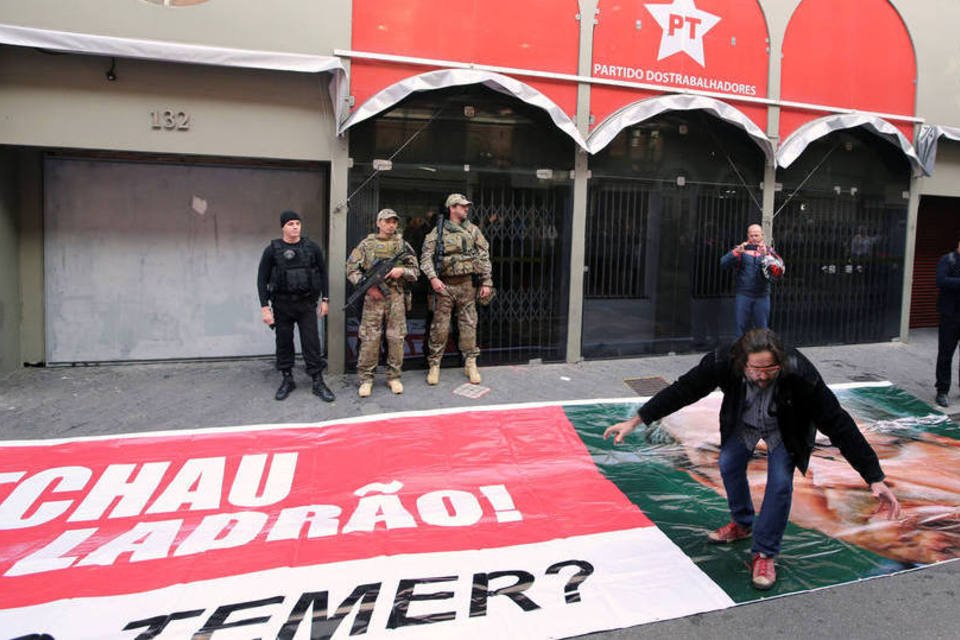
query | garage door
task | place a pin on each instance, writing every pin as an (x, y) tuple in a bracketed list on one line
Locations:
[(150, 261)]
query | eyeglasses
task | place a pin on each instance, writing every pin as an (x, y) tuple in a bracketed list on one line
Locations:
[(773, 368)]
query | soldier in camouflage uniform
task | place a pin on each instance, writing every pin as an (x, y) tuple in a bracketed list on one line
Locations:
[(465, 255), (378, 305)]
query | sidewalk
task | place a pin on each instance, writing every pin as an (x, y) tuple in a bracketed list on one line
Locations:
[(74, 402), (83, 401)]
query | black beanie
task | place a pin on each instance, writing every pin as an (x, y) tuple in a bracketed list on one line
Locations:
[(287, 216)]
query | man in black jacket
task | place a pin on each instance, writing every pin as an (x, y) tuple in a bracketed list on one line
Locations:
[(776, 395), (948, 305), (291, 277)]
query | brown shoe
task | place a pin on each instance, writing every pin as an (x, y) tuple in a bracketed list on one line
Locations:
[(764, 572), (730, 532)]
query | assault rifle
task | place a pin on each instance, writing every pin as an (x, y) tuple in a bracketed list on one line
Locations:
[(377, 276)]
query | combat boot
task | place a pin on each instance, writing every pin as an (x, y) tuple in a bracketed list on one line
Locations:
[(433, 376), (321, 390), (366, 388), (395, 385), (471, 371), (286, 386)]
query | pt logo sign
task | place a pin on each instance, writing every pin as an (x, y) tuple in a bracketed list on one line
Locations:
[(683, 28)]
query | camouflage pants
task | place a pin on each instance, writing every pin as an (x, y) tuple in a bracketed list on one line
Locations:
[(461, 296), (393, 310)]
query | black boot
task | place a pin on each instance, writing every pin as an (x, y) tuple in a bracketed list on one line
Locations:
[(286, 386), (321, 389)]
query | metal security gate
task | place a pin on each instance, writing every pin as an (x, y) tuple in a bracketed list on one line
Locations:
[(525, 220), (653, 282), (527, 228), (844, 258)]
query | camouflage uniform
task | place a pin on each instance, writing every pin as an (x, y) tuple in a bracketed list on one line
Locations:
[(393, 307), (465, 254)]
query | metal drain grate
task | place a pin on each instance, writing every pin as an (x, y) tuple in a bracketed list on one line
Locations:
[(646, 386)]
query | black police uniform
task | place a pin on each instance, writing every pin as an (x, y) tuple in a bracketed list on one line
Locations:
[(948, 304), (292, 277)]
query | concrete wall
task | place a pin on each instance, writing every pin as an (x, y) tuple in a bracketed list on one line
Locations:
[(303, 26), (9, 263), (67, 101)]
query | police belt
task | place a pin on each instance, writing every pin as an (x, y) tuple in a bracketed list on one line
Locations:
[(457, 279), (294, 297)]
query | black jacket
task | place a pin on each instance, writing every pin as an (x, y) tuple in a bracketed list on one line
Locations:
[(948, 281), (804, 404)]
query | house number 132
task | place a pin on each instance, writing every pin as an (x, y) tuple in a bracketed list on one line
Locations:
[(170, 120)]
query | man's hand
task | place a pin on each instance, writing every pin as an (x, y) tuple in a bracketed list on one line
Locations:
[(740, 248), (323, 309), (266, 313), (888, 501), (484, 292), (396, 273), (621, 430), (374, 293), (437, 285)]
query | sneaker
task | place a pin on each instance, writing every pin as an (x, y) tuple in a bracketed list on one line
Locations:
[(764, 572), (942, 400), (395, 385), (366, 388), (730, 532)]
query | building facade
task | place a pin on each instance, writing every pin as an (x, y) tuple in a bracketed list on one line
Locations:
[(614, 151)]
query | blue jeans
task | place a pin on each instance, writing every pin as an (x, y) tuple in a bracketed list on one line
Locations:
[(752, 313), (768, 527)]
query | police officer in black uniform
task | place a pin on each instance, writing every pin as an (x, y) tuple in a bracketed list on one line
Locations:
[(292, 277), (948, 304)]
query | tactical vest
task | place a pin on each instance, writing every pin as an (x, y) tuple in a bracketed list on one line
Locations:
[(376, 250), (295, 270), (459, 251)]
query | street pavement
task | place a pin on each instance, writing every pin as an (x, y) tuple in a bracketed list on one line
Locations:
[(66, 402)]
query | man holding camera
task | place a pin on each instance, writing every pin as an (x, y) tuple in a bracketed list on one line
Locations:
[(756, 264)]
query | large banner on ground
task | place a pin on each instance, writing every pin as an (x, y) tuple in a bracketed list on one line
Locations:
[(514, 522)]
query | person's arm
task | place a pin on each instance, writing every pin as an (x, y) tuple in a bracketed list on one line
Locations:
[(263, 279), (485, 267), (411, 271), (263, 276), (354, 262), (731, 257), (426, 261), (944, 279), (690, 387), (839, 426)]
